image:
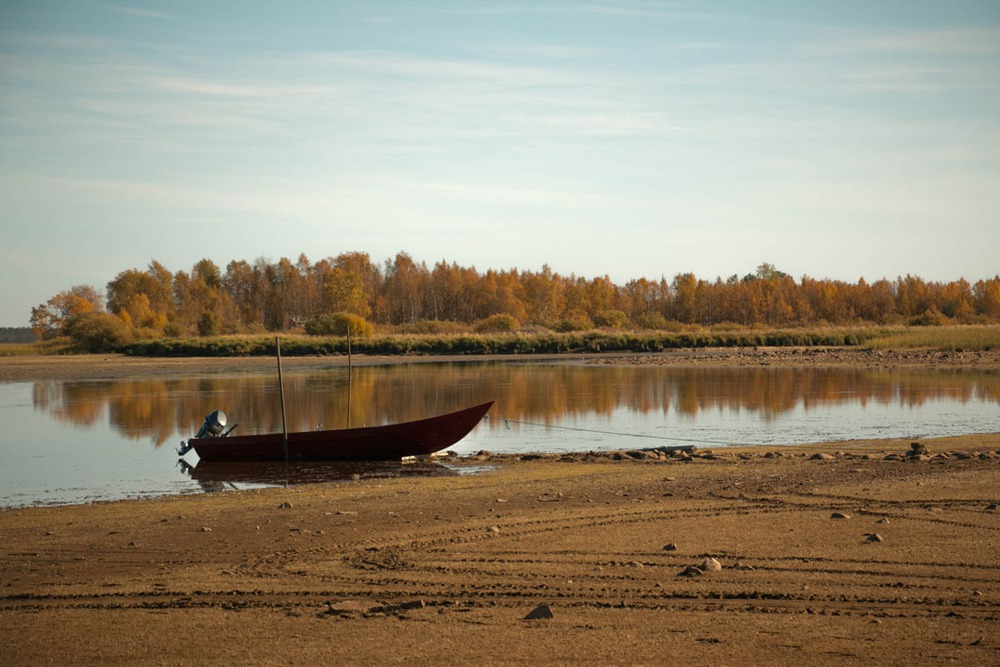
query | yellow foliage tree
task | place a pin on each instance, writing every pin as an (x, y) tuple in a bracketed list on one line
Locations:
[(51, 319)]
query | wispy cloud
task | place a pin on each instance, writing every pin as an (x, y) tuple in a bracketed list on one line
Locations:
[(631, 8), (140, 11), (625, 8), (202, 87), (954, 41), (554, 51)]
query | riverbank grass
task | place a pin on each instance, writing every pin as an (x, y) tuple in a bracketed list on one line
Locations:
[(958, 337), (967, 337)]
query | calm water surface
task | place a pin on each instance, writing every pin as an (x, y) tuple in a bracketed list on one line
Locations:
[(79, 441)]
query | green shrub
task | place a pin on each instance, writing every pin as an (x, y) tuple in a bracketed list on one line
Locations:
[(208, 324), (146, 333), (571, 324), (337, 324), (432, 327), (99, 332), (656, 322), (930, 318), (499, 323), (611, 319), (173, 330)]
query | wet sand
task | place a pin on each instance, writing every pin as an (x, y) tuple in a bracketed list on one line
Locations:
[(444, 570)]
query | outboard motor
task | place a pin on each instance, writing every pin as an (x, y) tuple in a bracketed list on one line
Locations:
[(215, 424), (214, 427)]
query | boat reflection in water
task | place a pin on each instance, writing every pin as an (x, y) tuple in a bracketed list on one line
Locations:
[(219, 475)]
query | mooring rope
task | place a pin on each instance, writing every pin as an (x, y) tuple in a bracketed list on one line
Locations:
[(727, 443)]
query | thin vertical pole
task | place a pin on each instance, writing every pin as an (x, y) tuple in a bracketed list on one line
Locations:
[(349, 374), (281, 394)]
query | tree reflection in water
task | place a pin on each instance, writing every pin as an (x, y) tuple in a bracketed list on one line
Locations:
[(161, 409)]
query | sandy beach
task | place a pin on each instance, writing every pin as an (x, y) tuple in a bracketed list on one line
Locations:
[(843, 553)]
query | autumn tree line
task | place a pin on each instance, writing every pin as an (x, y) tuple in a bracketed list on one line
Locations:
[(402, 295)]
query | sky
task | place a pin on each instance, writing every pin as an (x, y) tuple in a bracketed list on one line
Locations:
[(836, 139)]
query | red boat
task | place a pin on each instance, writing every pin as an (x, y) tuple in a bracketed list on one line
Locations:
[(373, 443)]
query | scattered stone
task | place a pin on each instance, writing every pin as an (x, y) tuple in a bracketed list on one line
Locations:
[(670, 546), (710, 565), (883, 520), (346, 513), (992, 506), (493, 529), (205, 529), (840, 515), (874, 537), (285, 506), (690, 571), (820, 456), (542, 611)]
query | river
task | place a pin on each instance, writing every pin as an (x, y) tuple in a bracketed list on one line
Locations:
[(73, 441)]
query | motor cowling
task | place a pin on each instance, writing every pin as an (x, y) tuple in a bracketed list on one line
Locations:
[(215, 424)]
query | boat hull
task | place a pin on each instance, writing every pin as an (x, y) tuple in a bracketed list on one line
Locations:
[(374, 443)]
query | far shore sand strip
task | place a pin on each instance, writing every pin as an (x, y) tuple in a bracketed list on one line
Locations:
[(28, 368)]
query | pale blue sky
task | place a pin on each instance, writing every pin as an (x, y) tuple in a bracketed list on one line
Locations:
[(840, 139)]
